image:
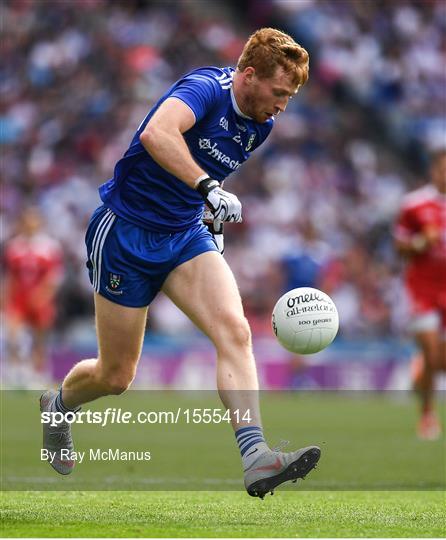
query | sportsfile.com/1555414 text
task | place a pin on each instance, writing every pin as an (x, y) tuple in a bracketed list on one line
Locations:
[(113, 415)]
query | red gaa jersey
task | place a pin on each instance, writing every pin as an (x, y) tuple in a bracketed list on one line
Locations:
[(30, 263), (422, 209)]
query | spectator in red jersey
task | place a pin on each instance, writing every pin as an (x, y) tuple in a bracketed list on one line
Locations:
[(420, 235), (33, 269)]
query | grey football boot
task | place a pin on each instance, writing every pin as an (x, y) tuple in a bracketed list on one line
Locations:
[(57, 438), (274, 468)]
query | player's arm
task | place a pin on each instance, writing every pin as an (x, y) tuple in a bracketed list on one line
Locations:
[(163, 139), (416, 243), (412, 235)]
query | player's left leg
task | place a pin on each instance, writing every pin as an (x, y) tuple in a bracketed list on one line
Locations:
[(14, 327), (424, 369), (13, 368), (204, 288), (39, 350), (41, 321), (424, 381)]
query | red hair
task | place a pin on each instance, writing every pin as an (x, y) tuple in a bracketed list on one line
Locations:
[(269, 48)]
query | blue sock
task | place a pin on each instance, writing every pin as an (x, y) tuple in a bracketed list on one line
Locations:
[(59, 406), (251, 443)]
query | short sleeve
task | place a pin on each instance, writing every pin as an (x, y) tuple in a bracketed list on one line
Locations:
[(199, 92)]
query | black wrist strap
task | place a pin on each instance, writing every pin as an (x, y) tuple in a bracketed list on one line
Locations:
[(206, 185)]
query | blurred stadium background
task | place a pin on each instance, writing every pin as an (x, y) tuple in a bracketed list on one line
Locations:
[(77, 78)]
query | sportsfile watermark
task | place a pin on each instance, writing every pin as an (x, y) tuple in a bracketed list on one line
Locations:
[(184, 440), (113, 415)]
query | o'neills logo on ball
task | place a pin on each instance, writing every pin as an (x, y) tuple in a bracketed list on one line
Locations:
[(318, 304), (303, 298)]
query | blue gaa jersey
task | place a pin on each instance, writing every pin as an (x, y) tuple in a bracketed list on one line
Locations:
[(222, 138)]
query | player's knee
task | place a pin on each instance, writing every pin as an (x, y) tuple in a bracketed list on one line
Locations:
[(116, 383), (234, 332)]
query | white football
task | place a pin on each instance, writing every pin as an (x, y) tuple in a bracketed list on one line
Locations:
[(305, 320)]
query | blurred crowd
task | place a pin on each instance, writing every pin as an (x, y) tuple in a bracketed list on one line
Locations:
[(319, 198)]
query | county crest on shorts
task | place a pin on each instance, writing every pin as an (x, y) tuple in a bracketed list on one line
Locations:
[(115, 280)]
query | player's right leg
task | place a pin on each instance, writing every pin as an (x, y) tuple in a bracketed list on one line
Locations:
[(120, 332), (122, 294)]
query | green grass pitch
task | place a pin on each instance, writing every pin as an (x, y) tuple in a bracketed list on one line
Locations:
[(375, 479), (224, 514)]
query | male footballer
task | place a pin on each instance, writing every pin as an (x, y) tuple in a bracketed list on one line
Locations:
[(420, 236), (149, 236)]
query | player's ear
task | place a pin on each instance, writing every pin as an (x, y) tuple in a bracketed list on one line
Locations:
[(249, 73)]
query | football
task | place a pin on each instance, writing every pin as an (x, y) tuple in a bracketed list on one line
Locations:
[(305, 320)]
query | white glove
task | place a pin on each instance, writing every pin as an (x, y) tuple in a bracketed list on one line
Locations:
[(224, 206), (215, 227)]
